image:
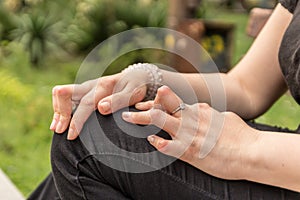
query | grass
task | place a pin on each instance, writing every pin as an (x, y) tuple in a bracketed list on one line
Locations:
[(241, 41), (25, 97), (26, 111)]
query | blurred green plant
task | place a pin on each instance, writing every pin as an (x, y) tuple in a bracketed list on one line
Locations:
[(36, 33), (249, 4), (26, 111), (11, 89), (44, 30), (35, 24), (96, 20), (7, 22)]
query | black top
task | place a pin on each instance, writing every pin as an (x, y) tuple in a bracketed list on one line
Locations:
[(289, 55), (289, 4)]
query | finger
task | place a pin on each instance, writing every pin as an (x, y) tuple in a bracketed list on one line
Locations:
[(155, 117), (168, 100), (55, 121), (144, 105), (55, 109), (62, 97), (122, 99), (158, 142), (64, 104), (86, 106), (79, 90), (101, 88), (168, 147)]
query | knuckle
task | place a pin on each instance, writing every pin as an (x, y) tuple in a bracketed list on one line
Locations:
[(134, 116), (155, 113), (204, 106), (65, 118), (139, 92), (165, 149), (118, 98), (61, 90), (138, 95), (229, 115), (192, 150), (55, 89), (204, 112), (106, 82), (89, 102), (56, 115), (76, 123)]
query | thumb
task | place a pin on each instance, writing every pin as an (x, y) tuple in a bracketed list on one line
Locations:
[(159, 143), (121, 100), (168, 99), (168, 147)]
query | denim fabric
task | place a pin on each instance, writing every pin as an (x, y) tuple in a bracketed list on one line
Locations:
[(80, 174), (289, 4)]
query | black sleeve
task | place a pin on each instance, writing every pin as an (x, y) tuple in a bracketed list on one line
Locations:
[(289, 4)]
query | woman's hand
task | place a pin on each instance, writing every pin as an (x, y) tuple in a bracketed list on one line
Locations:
[(107, 94), (217, 143)]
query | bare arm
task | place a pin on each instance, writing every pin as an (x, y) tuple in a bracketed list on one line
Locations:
[(265, 157), (274, 160), (256, 82), (249, 89)]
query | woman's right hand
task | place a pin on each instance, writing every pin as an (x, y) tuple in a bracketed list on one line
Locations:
[(107, 94)]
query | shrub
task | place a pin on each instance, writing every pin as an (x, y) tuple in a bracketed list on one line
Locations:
[(96, 20), (11, 89)]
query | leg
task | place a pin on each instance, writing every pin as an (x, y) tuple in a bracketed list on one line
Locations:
[(45, 190), (93, 167)]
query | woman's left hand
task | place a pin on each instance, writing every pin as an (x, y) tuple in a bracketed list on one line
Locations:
[(221, 144)]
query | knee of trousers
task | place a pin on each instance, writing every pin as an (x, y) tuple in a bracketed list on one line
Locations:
[(72, 151), (105, 135), (66, 152), (98, 133)]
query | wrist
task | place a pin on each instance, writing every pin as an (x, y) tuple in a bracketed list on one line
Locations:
[(154, 77), (251, 160)]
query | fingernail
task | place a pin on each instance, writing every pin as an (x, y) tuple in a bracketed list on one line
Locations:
[(139, 104), (105, 106), (126, 115), (58, 127), (161, 144), (53, 123), (151, 139), (71, 134)]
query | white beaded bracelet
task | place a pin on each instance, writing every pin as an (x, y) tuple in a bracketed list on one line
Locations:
[(154, 74)]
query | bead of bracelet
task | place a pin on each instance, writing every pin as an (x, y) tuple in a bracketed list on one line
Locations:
[(154, 76)]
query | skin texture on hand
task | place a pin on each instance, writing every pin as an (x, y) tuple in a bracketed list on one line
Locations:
[(193, 130), (107, 94), (247, 96), (234, 150)]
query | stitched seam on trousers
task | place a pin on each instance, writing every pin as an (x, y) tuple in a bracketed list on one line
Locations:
[(175, 178), (80, 185), (77, 176), (178, 179)]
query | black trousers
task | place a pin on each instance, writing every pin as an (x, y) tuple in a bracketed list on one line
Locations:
[(108, 162)]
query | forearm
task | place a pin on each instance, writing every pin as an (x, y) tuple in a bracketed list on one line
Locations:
[(252, 86), (219, 90), (274, 160)]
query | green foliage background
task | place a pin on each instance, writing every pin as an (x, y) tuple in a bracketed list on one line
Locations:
[(41, 46)]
